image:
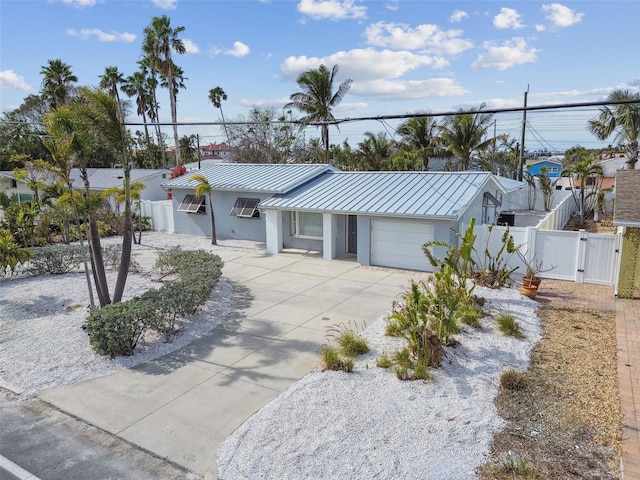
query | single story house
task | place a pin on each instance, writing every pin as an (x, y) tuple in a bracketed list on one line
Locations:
[(237, 190), (383, 218)]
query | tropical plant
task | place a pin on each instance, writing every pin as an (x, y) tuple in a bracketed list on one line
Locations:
[(203, 187), (623, 120), (585, 175), (492, 269), (11, 254), (317, 99), (466, 133), (532, 191), (546, 185), (110, 80), (216, 96), (420, 135), (137, 85), (160, 41), (57, 82), (148, 67), (508, 325)]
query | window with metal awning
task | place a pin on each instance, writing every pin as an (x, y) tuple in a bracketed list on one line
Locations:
[(246, 208), (193, 204)]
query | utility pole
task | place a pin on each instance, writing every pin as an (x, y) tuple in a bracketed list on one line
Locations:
[(198, 143), (524, 126)]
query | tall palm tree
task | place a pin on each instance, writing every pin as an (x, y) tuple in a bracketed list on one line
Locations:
[(136, 86), (420, 134), (317, 99), (375, 150), (203, 187), (216, 96), (147, 65), (160, 40), (624, 120), (110, 80), (57, 82), (465, 133)]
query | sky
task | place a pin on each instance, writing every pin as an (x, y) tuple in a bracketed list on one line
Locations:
[(402, 57)]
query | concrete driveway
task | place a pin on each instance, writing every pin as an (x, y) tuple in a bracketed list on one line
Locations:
[(182, 406)]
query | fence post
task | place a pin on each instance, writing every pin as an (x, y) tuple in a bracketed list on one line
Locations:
[(582, 253)]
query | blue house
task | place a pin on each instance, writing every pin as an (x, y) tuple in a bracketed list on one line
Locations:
[(552, 165)]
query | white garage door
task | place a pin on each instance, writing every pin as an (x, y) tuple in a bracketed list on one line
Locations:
[(398, 244)]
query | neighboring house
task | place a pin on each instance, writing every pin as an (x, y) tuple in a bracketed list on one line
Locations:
[(215, 151), (552, 164), (611, 166), (238, 189), (627, 215), (12, 187), (100, 179)]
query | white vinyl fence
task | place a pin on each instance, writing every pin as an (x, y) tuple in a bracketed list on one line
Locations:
[(161, 213), (580, 256)]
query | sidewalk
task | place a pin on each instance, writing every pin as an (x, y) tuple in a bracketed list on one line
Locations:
[(628, 339)]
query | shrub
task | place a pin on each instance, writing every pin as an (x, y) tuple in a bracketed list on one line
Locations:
[(512, 380), (111, 257), (330, 359), (352, 344), (115, 329), (11, 254), (384, 361), (471, 316), (493, 271), (508, 325), (55, 260)]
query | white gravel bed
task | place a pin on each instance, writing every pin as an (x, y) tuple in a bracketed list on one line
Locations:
[(368, 424), (42, 343)]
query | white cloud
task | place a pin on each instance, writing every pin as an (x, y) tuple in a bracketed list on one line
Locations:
[(82, 3), (239, 50), (86, 33), (510, 53), (458, 15), (393, 5), (190, 46), (331, 9), (507, 18), (561, 16), (360, 64), (8, 79), (427, 37), (165, 4), (407, 89)]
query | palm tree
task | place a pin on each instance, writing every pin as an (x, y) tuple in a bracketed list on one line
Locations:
[(204, 187), (153, 107), (420, 134), (317, 99), (623, 119), (11, 254), (57, 82), (464, 133), (136, 85), (110, 80), (216, 96), (160, 40), (59, 143), (584, 172)]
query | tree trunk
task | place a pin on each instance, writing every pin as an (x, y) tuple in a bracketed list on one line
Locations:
[(174, 119), (214, 240), (83, 250), (95, 249), (125, 258)]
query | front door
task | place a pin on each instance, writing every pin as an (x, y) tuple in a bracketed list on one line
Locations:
[(352, 234)]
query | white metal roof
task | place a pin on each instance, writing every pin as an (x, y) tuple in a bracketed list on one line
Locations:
[(252, 177), (425, 194)]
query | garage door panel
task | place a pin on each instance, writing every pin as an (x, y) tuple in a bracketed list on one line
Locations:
[(399, 244)]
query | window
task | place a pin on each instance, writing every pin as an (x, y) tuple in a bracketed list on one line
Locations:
[(192, 204), (306, 225), (553, 169), (14, 183), (246, 208)]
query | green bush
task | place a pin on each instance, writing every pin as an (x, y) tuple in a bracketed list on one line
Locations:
[(331, 359), (54, 260), (508, 325), (352, 344), (111, 255), (115, 329)]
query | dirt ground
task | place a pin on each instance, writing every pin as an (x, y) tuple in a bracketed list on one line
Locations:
[(604, 226), (563, 418)]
